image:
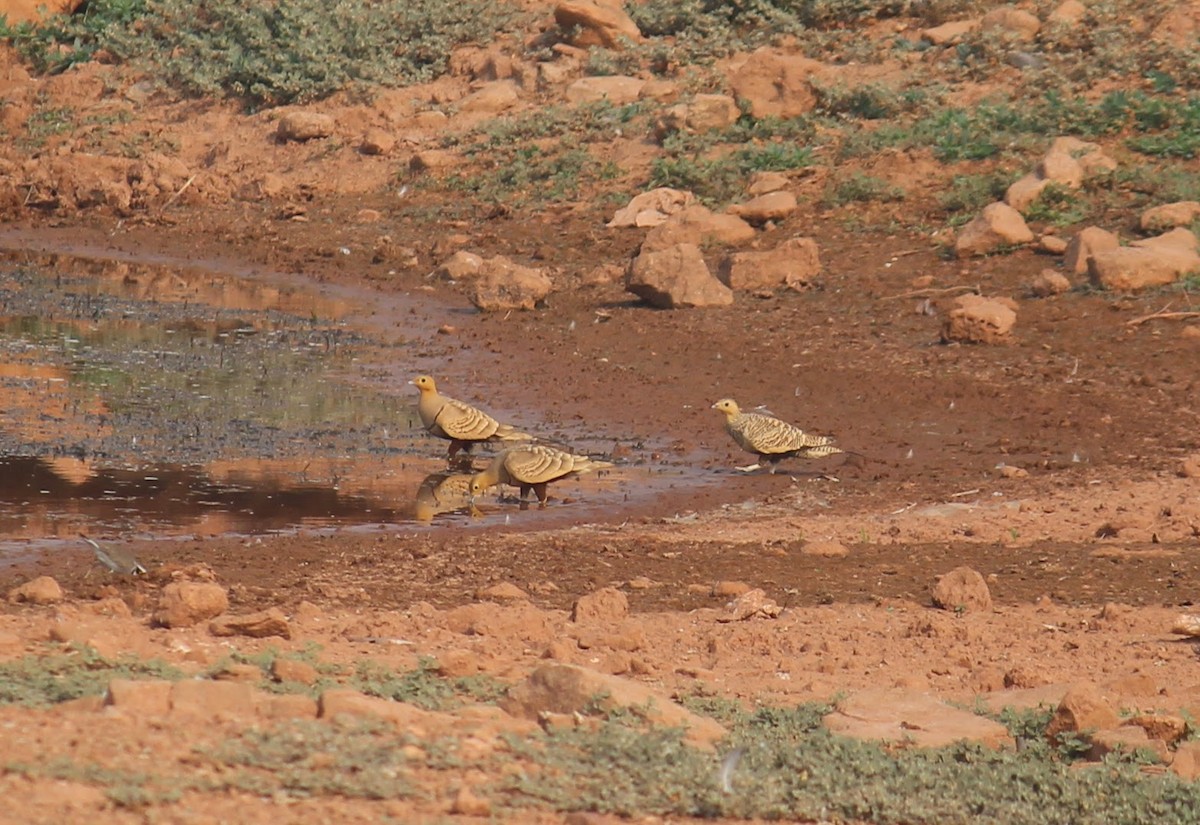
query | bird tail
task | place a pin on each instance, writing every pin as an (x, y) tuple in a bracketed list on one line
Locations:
[(822, 450), (506, 432)]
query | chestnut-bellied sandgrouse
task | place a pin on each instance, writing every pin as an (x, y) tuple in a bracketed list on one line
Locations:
[(532, 467), (458, 422), (771, 439), (116, 559)]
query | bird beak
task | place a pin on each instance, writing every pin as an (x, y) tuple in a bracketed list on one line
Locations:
[(414, 383), (712, 407)]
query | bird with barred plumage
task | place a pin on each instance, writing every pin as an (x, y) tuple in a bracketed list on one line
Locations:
[(771, 438)]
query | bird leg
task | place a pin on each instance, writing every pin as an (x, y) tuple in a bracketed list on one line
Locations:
[(540, 491), (749, 468), (525, 488)]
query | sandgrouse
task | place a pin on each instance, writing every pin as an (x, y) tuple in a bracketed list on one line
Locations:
[(459, 422), (442, 493), (116, 559), (770, 438), (532, 467)]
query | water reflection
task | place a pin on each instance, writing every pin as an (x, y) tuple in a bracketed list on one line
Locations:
[(443, 493)]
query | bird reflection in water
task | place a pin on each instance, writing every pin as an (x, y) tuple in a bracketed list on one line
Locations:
[(444, 493)]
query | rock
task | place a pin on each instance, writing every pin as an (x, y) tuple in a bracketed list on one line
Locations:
[(698, 225), (1052, 244), (1086, 243), (1083, 708), (898, 716), (675, 278), (377, 142), (1189, 466), (33, 11), (825, 549), (468, 803), (209, 700), (997, 226), (457, 663), (774, 84), (461, 266), (773, 206), (1068, 13), (286, 706), (501, 592), (1049, 282), (239, 672), (651, 208), (303, 125), (606, 606), (1025, 191), (292, 670), (599, 23), (753, 604), (1061, 168), (351, 703), (616, 89), (962, 589), (1151, 262), (1017, 23), (1125, 739), (795, 263), (183, 604), (1169, 216), (730, 589), (703, 113), (762, 183), (1168, 727), (40, 591), (491, 98), (1186, 764), (949, 33), (568, 689), (151, 697), (433, 160), (504, 285), (260, 625), (977, 320)]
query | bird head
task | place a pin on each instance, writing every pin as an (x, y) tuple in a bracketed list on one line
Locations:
[(479, 485), (727, 406), (424, 383)]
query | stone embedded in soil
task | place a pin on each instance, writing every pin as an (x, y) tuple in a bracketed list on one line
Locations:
[(795, 263), (703, 113), (264, 623), (605, 605), (825, 549), (292, 670), (596, 23), (998, 225), (461, 266), (491, 98), (568, 689), (651, 208), (1169, 216), (753, 604), (773, 206), (730, 589), (974, 319), (1049, 282), (503, 285), (1186, 763), (303, 125), (40, 591), (1168, 727), (1151, 262), (1086, 243), (377, 141), (676, 278), (962, 589), (1125, 739), (183, 604), (900, 716), (775, 84), (1084, 707), (615, 89), (501, 592)]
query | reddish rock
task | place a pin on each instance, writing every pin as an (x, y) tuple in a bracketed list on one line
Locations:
[(347, 702), (774, 84), (1049, 282), (292, 670), (615, 89), (504, 285), (491, 98), (260, 625), (40, 591), (208, 699), (962, 589), (377, 142), (700, 226), (753, 604), (286, 706), (1086, 243), (566, 689), (598, 23), (185, 603), (1083, 708), (303, 126), (468, 803), (999, 225), (730, 590), (1186, 763), (703, 113), (676, 278), (606, 605), (795, 263), (33, 11), (1125, 739), (899, 716), (825, 549), (501, 592), (151, 697), (975, 319), (1167, 727), (652, 208), (773, 206), (1147, 263)]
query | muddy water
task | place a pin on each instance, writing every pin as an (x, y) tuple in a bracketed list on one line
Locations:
[(152, 400)]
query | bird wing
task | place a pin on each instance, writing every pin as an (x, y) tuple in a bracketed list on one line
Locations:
[(539, 464), (463, 422), (772, 436)]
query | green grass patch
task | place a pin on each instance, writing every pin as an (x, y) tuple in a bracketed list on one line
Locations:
[(39, 681)]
